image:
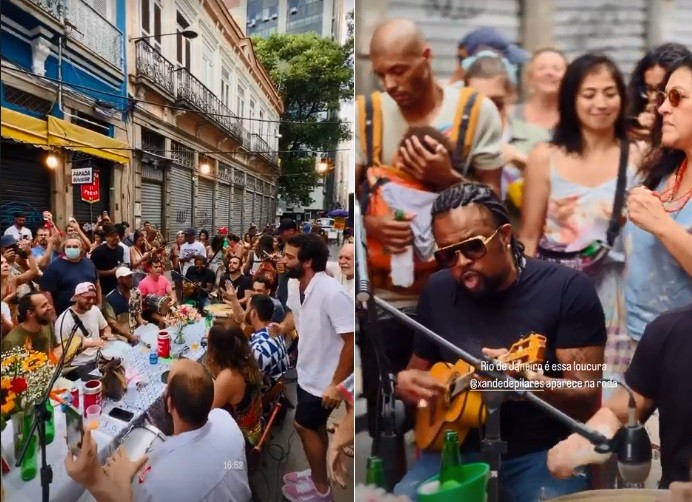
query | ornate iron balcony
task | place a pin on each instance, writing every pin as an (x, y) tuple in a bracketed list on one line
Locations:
[(195, 93), (53, 7), (261, 146), (153, 66)]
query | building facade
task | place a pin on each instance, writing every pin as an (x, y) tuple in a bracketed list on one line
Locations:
[(324, 17), (205, 128), (622, 29), (63, 96)]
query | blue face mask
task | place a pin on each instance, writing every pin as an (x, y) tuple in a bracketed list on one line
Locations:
[(72, 253)]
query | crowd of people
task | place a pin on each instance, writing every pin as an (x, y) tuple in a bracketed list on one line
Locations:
[(565, 215), (281, 303)]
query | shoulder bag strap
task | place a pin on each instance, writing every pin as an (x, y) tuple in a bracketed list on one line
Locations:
[(619, 201)]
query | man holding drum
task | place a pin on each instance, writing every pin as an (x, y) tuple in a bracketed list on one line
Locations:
[(154, 288)]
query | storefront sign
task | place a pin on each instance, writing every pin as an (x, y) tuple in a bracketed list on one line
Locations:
[(82, 176), (91, 193)]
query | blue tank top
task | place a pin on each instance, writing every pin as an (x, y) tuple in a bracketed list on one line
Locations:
[(656, 282)]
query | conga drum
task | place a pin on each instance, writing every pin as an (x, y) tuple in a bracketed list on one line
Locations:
[(158, 304), (626, 495)]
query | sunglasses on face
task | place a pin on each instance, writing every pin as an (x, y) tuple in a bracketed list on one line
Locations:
[(674, 96), (473, 248)]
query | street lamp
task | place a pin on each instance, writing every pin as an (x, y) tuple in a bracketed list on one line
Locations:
[(204, 167), (52, 161), (189, 34), (322, 166)]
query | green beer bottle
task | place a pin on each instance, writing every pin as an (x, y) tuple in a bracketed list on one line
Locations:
[(375, 472), (50, 424), (451, 458)]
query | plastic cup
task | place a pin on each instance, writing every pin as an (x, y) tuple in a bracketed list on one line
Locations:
[(93, 416), (195, 346)]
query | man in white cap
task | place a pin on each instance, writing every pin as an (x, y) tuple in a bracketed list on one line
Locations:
[(92, 327), (123, 306)]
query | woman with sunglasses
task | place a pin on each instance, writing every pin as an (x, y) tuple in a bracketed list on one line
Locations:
[(571, 183), (658, 235), (645, 82)]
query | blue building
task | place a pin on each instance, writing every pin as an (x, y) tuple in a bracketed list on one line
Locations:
[(64, 108)]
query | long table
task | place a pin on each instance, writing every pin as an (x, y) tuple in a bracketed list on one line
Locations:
[(111, 431)]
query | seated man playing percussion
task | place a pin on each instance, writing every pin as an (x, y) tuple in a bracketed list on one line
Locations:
[(203, 460), (200, 281), (123, 306), (658, 377), (92, 328), (156, 284), (488, 296)]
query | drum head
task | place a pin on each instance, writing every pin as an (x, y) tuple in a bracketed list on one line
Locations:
[(613, 496)]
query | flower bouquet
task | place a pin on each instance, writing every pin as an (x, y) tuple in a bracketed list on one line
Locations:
[(25, 376), (180, 317)]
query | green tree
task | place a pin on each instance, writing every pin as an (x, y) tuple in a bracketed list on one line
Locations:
[(313, 75)]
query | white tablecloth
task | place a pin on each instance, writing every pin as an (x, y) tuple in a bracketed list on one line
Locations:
[(110, 430)]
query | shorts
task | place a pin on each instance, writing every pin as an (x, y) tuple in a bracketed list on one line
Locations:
[(309, 412)]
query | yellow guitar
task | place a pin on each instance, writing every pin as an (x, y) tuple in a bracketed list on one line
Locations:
[(459, 408)]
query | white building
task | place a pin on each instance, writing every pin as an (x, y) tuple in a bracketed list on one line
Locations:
[(206, 121)]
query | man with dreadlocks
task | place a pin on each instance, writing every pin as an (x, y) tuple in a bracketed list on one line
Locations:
[(487, 296)]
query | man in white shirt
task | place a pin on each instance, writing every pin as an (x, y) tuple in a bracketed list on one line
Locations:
[(18, 230), (204, 460), (344, 269), (96, 329), (189, 250), (325, 358)]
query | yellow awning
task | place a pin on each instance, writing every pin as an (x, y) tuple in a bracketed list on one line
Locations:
[(24, 128), (74, 137)]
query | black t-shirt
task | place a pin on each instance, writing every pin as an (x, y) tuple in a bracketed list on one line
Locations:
[(106, 259), (242, 283), (548, 299), (203, 277), (660, 371)]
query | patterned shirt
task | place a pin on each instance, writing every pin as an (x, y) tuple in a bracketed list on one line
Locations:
[(271, 355)]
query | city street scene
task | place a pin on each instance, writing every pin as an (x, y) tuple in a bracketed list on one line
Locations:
[(522, 176), (176, 222)]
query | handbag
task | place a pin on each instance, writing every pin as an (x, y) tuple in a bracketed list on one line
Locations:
[(588, 258), (113, 380)]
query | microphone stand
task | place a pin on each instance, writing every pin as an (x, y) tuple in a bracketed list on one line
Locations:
[(485, 366), (385, 439), (41, 416)]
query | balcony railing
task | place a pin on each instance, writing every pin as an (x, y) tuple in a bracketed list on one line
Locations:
[(152, 65), (260, 145), (194, 92), (53, 7), (91, 28)]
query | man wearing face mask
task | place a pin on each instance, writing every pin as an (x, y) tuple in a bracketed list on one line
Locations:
[(488, 296), (204, 460), (63, 275), (36, 317)]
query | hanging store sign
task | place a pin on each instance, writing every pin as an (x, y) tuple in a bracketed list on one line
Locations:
[(91, 193), (82, 176)]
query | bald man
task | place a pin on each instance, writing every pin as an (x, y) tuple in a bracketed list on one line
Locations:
[(206, 453), (347, 268), (402, 60)]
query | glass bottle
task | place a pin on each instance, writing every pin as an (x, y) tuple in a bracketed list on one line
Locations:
[(374, 475), (50, 424), (451, 457)]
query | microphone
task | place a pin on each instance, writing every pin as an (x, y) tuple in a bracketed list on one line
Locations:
[(631, 444), (363, 282)]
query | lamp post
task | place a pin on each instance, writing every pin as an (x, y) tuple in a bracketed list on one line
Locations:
[(189, 34)]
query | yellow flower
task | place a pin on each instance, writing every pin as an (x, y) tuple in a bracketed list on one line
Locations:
[(34, 361), (8, 361)]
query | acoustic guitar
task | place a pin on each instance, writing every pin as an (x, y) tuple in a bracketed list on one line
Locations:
[(459, 408)]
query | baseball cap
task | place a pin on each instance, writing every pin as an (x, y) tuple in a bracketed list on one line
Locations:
[(82, 287), (122, 272), (287, 224), (7, 241), (190, 231), (223, 231), (490, 37)]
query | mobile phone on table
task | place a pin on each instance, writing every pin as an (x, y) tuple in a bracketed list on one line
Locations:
[(121, 414), (75, 429)]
